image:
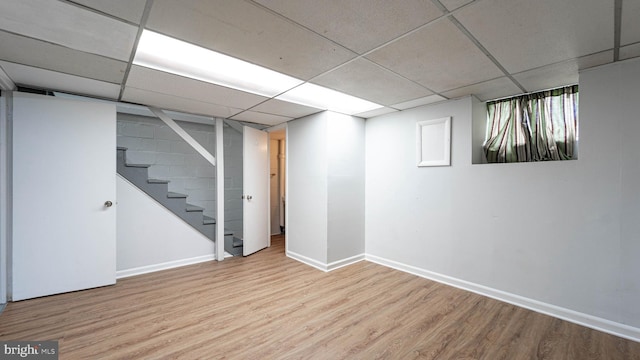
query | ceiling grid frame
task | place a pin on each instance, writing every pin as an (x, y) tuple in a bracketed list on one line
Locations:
[(605, 33), (143, 22)]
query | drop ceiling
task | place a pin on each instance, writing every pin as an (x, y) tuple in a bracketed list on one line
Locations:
[(399, 54)]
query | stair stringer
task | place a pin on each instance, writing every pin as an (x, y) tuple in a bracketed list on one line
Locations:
[(152, 238)]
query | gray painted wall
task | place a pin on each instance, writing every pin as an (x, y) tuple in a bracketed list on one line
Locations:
[(233, 180), (151, 141), (474, 222)]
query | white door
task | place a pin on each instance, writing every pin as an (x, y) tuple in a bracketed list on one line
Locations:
[(64, 165), (255, 185)]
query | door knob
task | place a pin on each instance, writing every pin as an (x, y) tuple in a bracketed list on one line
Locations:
[(108, 203), (249, 197)]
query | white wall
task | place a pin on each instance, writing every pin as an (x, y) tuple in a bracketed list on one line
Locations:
[(478, 131), (609, 100), (151, 238), (471, 225), (5, 190), (307, 187), (325, 154), (345, 202)]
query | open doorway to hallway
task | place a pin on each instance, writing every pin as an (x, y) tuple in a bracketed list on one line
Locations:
[(277, 188)]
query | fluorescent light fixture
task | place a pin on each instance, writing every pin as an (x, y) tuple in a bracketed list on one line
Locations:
[(322, 98), (164, 53), (174, 56)]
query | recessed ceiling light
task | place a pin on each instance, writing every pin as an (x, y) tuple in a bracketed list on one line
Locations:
[(174, 56), (327, 99)]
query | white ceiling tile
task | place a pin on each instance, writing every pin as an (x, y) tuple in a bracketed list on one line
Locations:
[(454, 4), (130, 10), (630, 51), (285, 108), (261, 118), (170, 84), (588, 61), (68, 25), (376, 112), (28, 51), (418, 102), (366, 80), (438, 56), (176, 103), (51, 80), (359, 25), (560, 74), (549, 77), (630, 26), (488, 90), (248, 32), (525, 34)]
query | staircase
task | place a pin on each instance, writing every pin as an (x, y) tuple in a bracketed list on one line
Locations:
[(138, 174), (233, 245)]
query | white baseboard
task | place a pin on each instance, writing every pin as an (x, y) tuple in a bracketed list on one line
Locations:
[(322, 266), (120, 274), (344, 262), (306, 260), (590, 321)]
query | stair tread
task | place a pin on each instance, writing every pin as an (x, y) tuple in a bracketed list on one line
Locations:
[(228, 232), (157, 181), (138, 165), (194, 208), (121, 148), (207, 220), (237, 242), (172, 194)]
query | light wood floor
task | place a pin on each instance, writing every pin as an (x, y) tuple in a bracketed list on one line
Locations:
[(267, 306)]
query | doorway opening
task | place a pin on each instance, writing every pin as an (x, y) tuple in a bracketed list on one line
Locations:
[(277, 184)]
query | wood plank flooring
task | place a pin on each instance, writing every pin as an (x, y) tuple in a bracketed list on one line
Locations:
[(267, 306)]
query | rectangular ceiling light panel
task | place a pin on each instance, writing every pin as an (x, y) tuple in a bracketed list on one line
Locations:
[(327, 99), (163, 53), (174, 56)]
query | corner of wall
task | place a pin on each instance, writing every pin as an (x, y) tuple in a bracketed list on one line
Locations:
[(5, 194), (478, 130), (307, 188)]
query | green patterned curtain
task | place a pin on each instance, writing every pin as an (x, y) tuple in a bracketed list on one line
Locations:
[(535, 127)]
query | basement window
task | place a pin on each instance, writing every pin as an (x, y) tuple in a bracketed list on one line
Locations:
[(540, 126)]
